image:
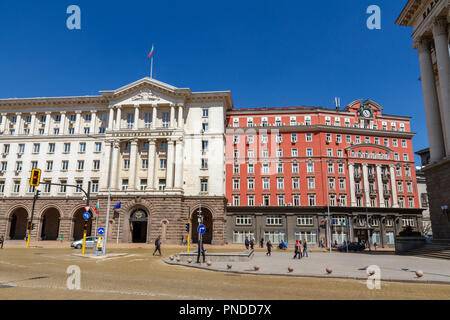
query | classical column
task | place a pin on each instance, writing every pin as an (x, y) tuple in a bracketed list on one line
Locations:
[(151, 164), (119, 117), (170, 163), (77, 122), (179, 164), (106, 166), (351, 171), (18, 122), (155, 116), (443, 62), (172, 116), (62, 129), (366, 184), (432, 114), (32, 125), (48, 116), (3, 125), (93, 121), (380, 186), (136, 117), (133, 166), (111, 118), (115, 164), (180, 116), (393, 187)]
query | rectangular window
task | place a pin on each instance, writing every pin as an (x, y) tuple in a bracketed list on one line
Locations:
[(96, 166), (82, 147), (143, 184), (65, 165), (204, 185), (80, 165), (163, 164), (243, 220), (66, 147), (305, 221), (124, 184), (274, 221)]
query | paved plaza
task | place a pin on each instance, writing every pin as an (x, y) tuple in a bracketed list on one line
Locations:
[(343, 265)]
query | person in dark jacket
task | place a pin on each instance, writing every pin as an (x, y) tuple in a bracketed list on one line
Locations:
[(158, 246), (269, 248), (2, 240), (201, 250), (305, 248), (247, 243), (252, 244), (298, 250), (261, 243)]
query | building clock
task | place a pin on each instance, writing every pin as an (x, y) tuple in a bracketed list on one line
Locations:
[(365, 111)]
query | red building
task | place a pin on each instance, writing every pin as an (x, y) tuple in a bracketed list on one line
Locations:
[(286, 166)]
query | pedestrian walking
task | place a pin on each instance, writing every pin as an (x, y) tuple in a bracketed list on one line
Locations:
[(261, 243), (375, 245), (269, 248), (201, 250), (158, 246), (305, 248), (298, 250), (252, 244), (247, 243), (2, 240)]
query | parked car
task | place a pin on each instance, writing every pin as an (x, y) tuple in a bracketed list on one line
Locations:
[(90, 243), (354, 246)]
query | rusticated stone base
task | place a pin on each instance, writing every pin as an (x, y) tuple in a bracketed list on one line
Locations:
[(167, 217)]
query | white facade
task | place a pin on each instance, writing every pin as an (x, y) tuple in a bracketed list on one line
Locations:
[(160, 153)]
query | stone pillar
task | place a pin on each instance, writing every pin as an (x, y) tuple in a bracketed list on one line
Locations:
[(172, 116), (18, 122), (180, 116), (77, 122), (106, 166), (155, 116), (48, 116), (62, 126), (111, 118), (93, 121), (133, 167), (443, 62), (3, 125), (151, 164), (179, 164), (118, 117), (170, 163), (432, 114), (393, 187), (32, 125), (136, 117), (351, 171), (380, 187), (115, 164), (366, 184)]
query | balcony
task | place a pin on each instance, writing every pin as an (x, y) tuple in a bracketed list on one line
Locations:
[(387, 193), (371, 177), (358, 192), (357, 176), (385, 176)]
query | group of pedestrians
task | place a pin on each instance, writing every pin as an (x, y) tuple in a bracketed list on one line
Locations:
[(301, 249), (249, 244)]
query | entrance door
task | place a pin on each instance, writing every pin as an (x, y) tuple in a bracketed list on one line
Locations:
[(138, 226), (207, 222), (361, 235)]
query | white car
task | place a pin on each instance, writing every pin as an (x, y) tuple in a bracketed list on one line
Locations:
[(91, 242)]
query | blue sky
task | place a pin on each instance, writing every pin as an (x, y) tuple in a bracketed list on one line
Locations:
[(268, 53)]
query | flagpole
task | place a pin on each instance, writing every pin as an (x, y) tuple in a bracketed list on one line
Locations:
[(96, 222), (151, 69), (118, 230)]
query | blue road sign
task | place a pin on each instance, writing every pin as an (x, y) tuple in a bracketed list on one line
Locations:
[(201, 229), (101, 231), (87, 216)]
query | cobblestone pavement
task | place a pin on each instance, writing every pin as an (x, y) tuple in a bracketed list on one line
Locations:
[(41, 274)]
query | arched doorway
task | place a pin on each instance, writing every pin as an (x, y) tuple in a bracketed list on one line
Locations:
[(207, 222), (138, 226), (18, 224), (50, 225), (78, 225)]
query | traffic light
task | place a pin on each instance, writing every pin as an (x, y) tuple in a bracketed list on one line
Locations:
[(35, 179), (31, 226), (187, 227)]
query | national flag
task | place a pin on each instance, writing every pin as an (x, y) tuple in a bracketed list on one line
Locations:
[(324, 220), (96, 209), (342, 222), (151, 52), (118, 206)]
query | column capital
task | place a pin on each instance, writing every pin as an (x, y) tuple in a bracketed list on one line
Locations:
[(171, 142), (32, 113), (48, 113), (94, 111), (154, 105), (118, 106), (365, 164), (18, 113), (151, 142), (116, 143), (60, 112), (378, 165), (351, 164), (78, 112), (439, 26), (422, 44), (137, 105), (134, 142), (4, 114)]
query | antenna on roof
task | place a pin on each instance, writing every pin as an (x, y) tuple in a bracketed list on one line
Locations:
[(337, 102)]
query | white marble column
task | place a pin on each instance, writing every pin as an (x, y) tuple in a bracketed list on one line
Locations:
[(18, 123), (155, 116), (172, 116), (179, 164), (351, 172), (151, 164), (432, 114), (115, 165), (133, 166), (111, 118), (180, 116), (119, 118), (3, 125), (48, 117), (136, 117), (380, 186), (106, 166), (170, 164), (77, 122), (32, 125), (93, 121), (366, 184), (62, 126), (443, 62), (393, 187)]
